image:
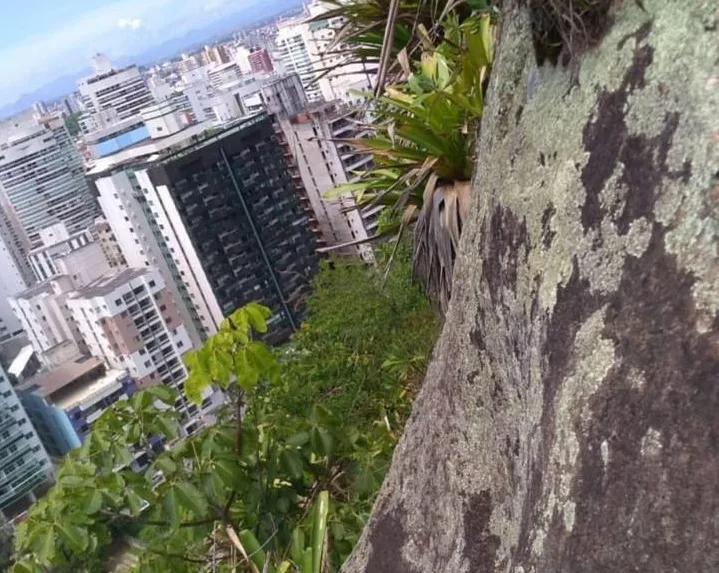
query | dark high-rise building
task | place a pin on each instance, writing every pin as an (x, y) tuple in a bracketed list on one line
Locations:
[(226, 218)]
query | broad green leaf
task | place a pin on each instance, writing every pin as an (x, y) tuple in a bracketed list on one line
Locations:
[(134, 502), (257, 316), (74, 481), (167, 426), (75, 537), (227, 472), (43, 543), (321, 441), (165, 464), (27, 567), (171, 506), (191, 498), (92, 503), (162, 393), (299, 439), (291, 463)]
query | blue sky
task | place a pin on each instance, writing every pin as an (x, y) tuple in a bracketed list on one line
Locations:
[(44, 39)]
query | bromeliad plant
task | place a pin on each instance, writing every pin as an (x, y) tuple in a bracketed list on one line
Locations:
[(423, 145), (374, 33)]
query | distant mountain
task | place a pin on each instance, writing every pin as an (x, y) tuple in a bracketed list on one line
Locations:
[(50, 91), (172, 47)]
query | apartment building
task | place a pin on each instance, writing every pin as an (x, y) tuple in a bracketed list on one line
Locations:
[(111, 95), (47, 321), (226, 219), (24, 463), (42, 178), (108, 243), (260, 61), (294, 55), (225, 73), (133, 323), (63, 403), (11, 283), (310, 136), (343, 81), (77, 256)]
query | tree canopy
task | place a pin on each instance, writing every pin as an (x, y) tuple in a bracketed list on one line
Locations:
[(285, 480)]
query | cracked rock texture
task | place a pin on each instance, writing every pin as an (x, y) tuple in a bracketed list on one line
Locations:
[(569, 421)]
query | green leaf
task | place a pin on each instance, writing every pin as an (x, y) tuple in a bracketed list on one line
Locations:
[(258, 315), (74, 481), (253, 548), (167, 426), (297, 547), (92, 503), (43, 543), (165, 464), (299, 439), (26, 567), (75, 537), (162, 393), (291, 463), (171, 506), (134, 502), (191, 498), (319, 530), (321, 441), (213, 487), (227, 471)]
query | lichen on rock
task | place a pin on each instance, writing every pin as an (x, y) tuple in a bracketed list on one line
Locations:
[(568, 418)]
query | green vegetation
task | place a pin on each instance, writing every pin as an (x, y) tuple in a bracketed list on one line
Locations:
[(424, 120), (72, 123), (6, 543), (285, 480)]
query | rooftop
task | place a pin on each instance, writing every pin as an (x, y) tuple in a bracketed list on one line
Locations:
[(139, 152), (47, 383), (223, 132), (108, 283), (90, 391)]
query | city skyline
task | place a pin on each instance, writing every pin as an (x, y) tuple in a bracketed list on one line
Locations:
[(36, 52)]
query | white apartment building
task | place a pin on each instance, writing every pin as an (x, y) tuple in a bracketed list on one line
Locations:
[(47, 321), (11, 283), (112, 95), (42, 178), (221, 74), (108, 243), (77, 256), (283, 94), (310, 137), (132, 321), (151, 234), (294, 55), (343, 83), (24, 463)]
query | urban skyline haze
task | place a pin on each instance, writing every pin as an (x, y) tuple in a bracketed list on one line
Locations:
[(42, 40)]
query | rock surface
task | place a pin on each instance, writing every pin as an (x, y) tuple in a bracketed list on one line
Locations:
[(569, 420)]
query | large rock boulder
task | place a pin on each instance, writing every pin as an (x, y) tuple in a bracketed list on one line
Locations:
[(570, 416)]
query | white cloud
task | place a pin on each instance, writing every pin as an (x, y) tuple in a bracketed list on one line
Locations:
[(131, 23)]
